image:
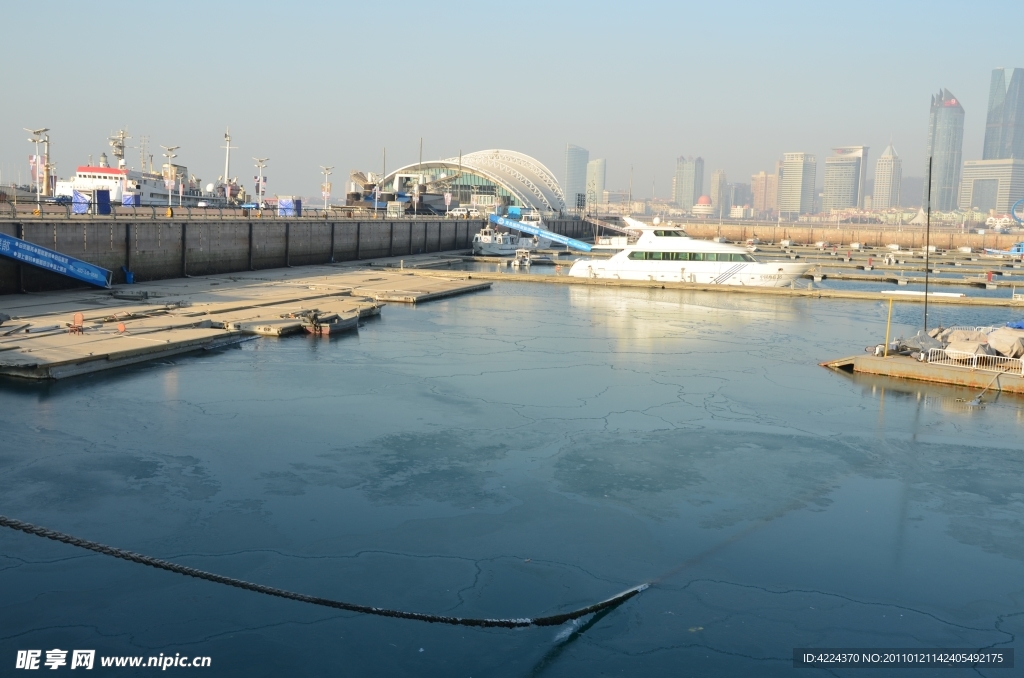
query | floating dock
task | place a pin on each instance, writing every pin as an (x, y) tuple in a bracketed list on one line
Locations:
[(905, 367), (809, 292), (54, 335)]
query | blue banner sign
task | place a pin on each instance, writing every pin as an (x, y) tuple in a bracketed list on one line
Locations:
[(539, 232), (36, 255)]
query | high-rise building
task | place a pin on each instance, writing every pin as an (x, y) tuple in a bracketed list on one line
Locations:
[(945, 147), (674, 200), (888, 176), (595, 180), (1004, 128), (689, 181), (845, 177), (739, 194), (576, 159), (992, 184), (720, 194), (797, 176), (764, 191)]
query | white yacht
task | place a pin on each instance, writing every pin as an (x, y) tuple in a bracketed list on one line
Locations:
[(668, 254), (491, 243)]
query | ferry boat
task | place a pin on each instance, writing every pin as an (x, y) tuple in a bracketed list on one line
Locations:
[(140, 189), (668, 254)]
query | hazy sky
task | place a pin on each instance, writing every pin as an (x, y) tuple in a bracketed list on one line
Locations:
[(638, 83)]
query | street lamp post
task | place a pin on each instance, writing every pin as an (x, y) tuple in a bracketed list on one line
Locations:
[(37, 136), (169, 153), (326, 171), (261, 163)]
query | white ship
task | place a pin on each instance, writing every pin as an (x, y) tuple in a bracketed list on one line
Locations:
[(491, 243), (668, 254), (142, 189)]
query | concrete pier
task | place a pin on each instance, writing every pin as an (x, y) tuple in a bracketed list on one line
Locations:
[(905, 367), (61, 334)]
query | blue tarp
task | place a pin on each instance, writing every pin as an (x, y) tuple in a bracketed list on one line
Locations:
[(102, 199), (131, 200), (1019, 325), (289, 207), (533, 230), (80, 203), (37, 255)]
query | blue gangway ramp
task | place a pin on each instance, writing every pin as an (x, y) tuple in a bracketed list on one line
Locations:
[(47, 259), (533, 230)]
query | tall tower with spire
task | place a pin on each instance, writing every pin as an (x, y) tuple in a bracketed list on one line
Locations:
[(945, 147), (888, 175), (1004, 127)]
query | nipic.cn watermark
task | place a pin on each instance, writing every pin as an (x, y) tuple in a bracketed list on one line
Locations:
[(33, 660)]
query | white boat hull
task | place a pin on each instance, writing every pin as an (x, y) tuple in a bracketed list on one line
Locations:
[(751, 274), (505, 245)]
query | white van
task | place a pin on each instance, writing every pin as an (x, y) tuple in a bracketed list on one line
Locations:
[(458, 213)]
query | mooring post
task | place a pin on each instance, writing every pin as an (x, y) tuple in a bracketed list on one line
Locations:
[(250, 247)]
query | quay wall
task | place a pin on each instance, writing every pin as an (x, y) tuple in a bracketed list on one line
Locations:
[(156, 249), (912, 237)]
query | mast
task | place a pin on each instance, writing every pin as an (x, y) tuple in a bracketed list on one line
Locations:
[(227, 155)]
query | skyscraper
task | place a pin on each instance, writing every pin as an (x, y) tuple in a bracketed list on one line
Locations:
[(888, 175), (764, 189), (576, 159), (1004, 129), (992, 184), (720, 193), (845, 176), (797, 176), (595, 181), (945, 146), (689, 181)]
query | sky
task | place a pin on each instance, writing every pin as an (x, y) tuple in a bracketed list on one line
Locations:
[(639, 83)]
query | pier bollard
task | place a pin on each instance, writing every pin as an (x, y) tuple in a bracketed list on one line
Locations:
[(869, 264)]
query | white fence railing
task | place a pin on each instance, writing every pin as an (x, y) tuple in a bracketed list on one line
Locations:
[(972, 328), (972, 361)]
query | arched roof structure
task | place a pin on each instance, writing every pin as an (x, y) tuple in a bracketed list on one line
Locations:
[(525, 178)]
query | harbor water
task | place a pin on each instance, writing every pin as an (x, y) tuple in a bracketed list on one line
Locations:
[(514, 453)]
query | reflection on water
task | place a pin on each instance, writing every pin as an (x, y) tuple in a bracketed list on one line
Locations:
[(521, 452)]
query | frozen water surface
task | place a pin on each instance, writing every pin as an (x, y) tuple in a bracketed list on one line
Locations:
[(515, 453)]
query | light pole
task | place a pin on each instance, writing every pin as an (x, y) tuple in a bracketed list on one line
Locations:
[(326, 171), (169, 153), (261, 163), (37, 136)]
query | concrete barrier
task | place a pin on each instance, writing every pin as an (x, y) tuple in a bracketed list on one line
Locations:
[(157, 249)]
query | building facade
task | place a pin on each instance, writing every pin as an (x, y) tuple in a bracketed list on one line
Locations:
[(797, 176), (596, 171), (689, 181), (720, 194), (992, 184), (945, 148), (764, 190), (1004, 127), (888, 177), (575, 187), (845, 177)]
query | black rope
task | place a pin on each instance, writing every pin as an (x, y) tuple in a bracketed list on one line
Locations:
[(553, 620)]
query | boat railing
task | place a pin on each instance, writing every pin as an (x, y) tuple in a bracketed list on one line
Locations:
[(972, 328), (973, 361)]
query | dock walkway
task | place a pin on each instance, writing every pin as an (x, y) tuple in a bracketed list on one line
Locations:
[(136, 323)]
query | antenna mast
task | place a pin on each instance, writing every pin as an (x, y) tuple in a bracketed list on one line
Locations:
[(227, 155)]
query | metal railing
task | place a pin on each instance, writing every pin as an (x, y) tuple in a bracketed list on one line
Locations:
[(972, 361), (972, 328)]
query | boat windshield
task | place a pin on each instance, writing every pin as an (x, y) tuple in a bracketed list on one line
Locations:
[(670, 234), (691, 256)]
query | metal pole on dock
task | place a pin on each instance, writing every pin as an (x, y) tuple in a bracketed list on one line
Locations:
[(927, 243)]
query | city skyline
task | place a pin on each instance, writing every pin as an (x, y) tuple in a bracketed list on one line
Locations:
[(740, 112)]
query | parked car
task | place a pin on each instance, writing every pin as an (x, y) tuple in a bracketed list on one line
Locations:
[(473, 213), (458, 213)]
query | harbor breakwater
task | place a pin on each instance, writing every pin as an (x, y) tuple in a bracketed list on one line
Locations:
[(158, 248)]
